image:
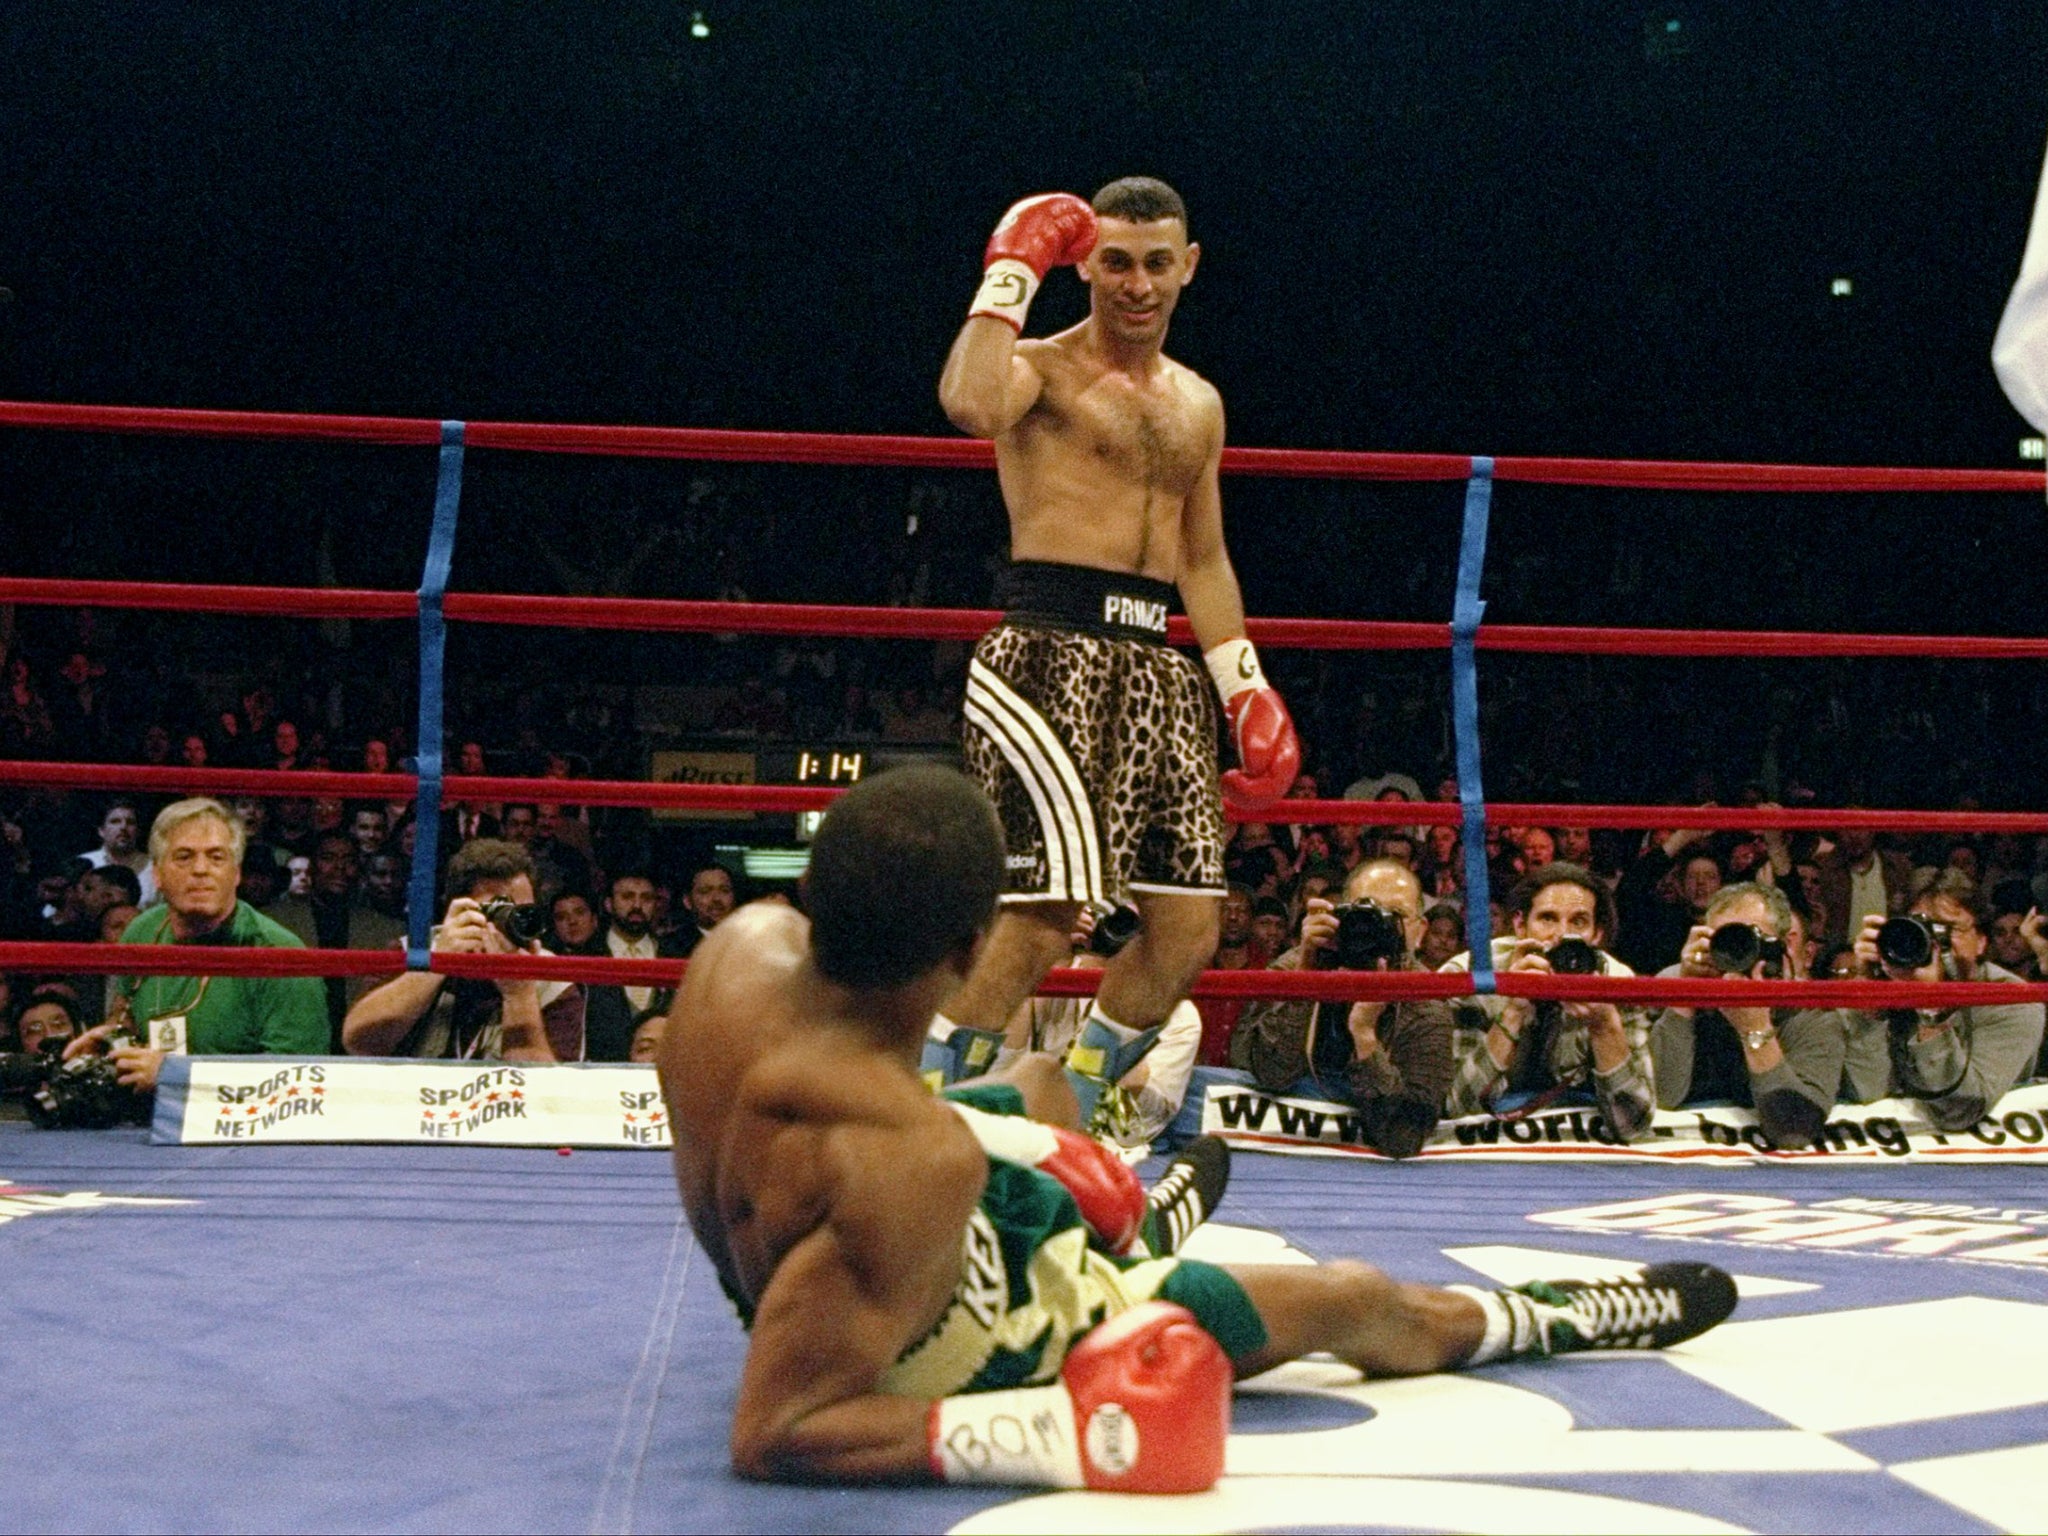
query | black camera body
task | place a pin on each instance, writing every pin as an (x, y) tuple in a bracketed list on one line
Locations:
[(520, 922), (1368, 933), (1736, 948), (80, 1094), (1908, 943), (1114, 928), (1574, 957)]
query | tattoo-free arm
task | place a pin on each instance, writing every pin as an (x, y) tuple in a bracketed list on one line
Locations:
[(988, 383), (808, 1408), (1208, 582), (842, 1305)]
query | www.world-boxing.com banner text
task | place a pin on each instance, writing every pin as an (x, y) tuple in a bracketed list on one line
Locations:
[(221, 1099), (1890, 1130)]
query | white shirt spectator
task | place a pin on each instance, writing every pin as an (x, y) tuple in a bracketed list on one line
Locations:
[(641, 948)]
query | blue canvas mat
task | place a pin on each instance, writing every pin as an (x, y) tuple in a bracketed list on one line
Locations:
[(397, 1338)]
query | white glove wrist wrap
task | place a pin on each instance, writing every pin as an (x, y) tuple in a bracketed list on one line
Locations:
[(1234, 666), (1006, 291), (1023, 1435)]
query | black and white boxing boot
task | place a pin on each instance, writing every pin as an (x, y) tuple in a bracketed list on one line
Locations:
[(1666, 1304), (1186, 1195)]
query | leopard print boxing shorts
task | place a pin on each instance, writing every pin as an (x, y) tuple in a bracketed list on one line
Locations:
[(1096, 741)]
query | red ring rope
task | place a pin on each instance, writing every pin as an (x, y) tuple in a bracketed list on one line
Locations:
[(691, 617), (1320, 986), (826, 448), (789, 799), (967, 453)]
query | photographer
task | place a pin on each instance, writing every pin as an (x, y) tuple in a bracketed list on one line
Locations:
[(196, 848), (491, 912), (1393, 1060), (1785, 1063), (1958, 1061), (1562, 917), (49, 1016)]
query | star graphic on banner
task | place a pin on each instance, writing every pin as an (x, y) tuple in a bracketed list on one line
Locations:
[(491, 1098)]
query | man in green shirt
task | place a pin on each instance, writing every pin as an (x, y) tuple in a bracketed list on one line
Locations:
[(195, 847)]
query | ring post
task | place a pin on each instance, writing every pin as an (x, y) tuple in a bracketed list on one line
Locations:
[(1465, 617), (419, 902)]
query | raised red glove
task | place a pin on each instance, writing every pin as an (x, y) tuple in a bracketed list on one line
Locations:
[(1268, 751), (1053, 229), (1142, 1406)]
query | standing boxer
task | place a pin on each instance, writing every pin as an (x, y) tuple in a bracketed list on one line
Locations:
[(1095, 739), (938, 1291)]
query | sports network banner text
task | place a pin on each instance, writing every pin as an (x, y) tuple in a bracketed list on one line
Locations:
[(216, 1099), (1889, 1130)]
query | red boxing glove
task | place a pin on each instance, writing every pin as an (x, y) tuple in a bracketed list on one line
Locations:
[(1142, 1406), (1268, 751), (1111, 1199), (1053, 229)]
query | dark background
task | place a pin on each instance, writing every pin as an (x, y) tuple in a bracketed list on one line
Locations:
[(1561, 228), (1429, 225)]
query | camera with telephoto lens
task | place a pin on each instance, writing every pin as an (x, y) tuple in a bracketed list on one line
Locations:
[(1367, 933), (1908, 943), (1735, 948), (25, 1071), (520, 922), (1114, 928), (81, 1094), (1574, 957)]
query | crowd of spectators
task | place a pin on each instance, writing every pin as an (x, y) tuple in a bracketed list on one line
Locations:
[(1574, 900), (78, 685)]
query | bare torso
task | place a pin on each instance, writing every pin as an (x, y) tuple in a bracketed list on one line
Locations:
[(786, 1118), (1099, 471)]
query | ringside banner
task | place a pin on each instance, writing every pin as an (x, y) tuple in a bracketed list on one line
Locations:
[(1888, 1130), (216, 1099)]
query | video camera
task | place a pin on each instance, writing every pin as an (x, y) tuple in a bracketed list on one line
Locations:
[(80, 1094)]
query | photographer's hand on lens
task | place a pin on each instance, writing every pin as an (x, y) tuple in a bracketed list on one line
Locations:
[(1319, 928), (1874, 963), (137, 1067), (93, 1042), (466, 931), (1692, 959)]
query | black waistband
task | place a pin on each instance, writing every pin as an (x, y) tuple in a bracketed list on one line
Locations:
[(1083, 597)]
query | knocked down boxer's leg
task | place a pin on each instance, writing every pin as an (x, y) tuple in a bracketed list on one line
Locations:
[(1387, 1328)]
